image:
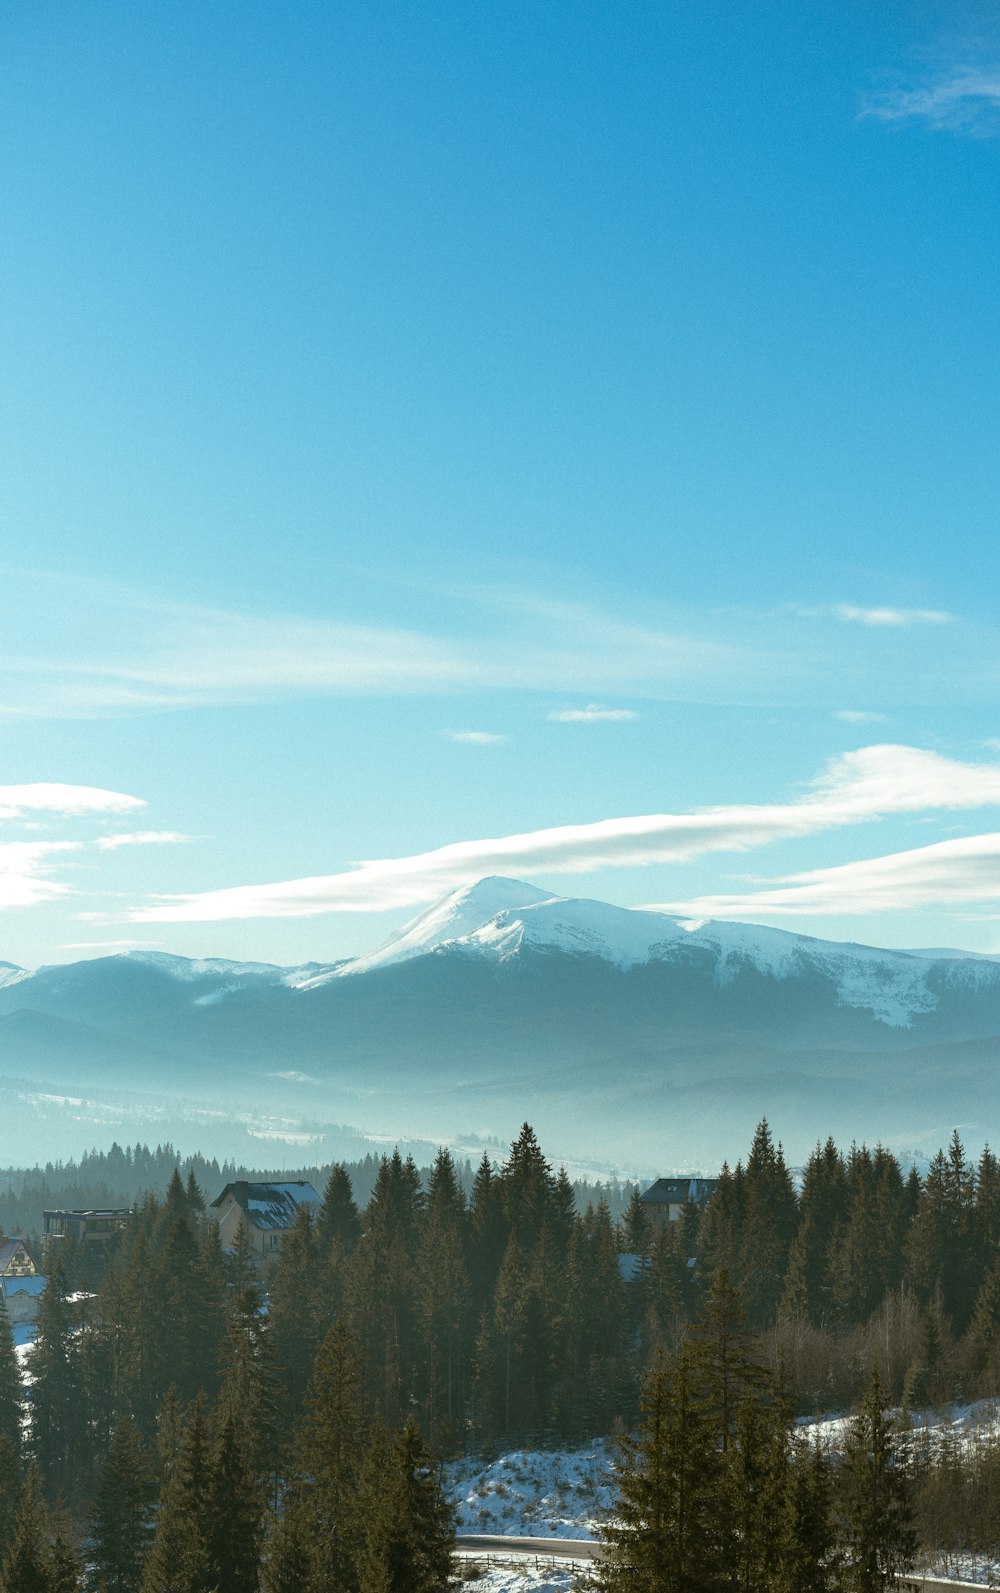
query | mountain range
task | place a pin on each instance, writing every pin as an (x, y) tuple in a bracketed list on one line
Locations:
[(646, 1038)]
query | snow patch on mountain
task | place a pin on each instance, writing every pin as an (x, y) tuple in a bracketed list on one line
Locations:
[(188, 969), (624, 936), (454, 918), (500, 919), (10, 974)]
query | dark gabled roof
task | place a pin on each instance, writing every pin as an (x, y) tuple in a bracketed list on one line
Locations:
[(8, 1250), (675, 1191), (269, 1205)]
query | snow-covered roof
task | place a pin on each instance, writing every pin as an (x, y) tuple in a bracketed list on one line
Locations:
[(35, 1285), (269, 1205)]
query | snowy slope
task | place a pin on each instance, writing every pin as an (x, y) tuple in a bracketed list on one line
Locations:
[(502, 923), (452, 919), (500, 920)]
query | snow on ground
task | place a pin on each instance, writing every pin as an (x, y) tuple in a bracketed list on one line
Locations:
[(518, 1579), (533, 1493), (966, 1424)]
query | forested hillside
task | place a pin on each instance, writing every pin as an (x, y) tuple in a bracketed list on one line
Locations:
[(426, 1322)]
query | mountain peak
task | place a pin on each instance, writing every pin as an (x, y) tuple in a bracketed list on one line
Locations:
[(455, 916)]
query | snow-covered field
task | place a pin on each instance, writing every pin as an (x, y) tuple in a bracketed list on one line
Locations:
[(514, 1579), (533, 1493)]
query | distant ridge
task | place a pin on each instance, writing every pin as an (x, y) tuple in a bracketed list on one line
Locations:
[(617, 1024)]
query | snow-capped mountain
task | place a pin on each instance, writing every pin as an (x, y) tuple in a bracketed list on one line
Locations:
[(500, 920), (503, 997)]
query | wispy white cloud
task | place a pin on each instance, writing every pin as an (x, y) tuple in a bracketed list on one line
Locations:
[(474, 738), (138, 654), (25, 869), (592, 714), (946, 874), (895, 618), (47, 796), (857, 786), (961, 98), (859, 716), (111, 843)]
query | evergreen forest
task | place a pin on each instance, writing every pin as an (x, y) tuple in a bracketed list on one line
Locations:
[(183, 1432)]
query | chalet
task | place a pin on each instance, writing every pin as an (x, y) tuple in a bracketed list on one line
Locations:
[(266, 1213), (21, 1287), (90, 1227), (664, 1201), (15, 1261)]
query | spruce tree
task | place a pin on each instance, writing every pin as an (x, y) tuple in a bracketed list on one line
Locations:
[(23, 1553), (414, 1543), (442, 1296), (178, 1559), (754, 1480), (293, 1315), (332, 1445), (25, 1560), (726, 1354), (875, 1498), (122, 1524), (57, 1401), (808, 1558), (665, 1536), (11, 1482), (291, 1550), (11, 1406), (337, 1221), (234, 1513)]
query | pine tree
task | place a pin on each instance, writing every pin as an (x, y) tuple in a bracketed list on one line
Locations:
[(636, 1228), (509, 1313), (64, 1565), (528, 1188), (27, 1562), (822, 1208), (768, 1228), (178, 1559), (122, 1525), (384, 1284), (11, 1408), (11, 1482), (293, 1315), (876, 1502), (250, 1391), (808, 1561), (338, 1221), (489, 1233), (290, 1554), (417, 1532), (442, 1295), (23, 1567), (332, 1450), (665, 1535), (57, 1408), (755, 1480), (234, 1513), (725, 1352), (983, 1339)]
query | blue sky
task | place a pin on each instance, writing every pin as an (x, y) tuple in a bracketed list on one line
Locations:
[(425, 427)]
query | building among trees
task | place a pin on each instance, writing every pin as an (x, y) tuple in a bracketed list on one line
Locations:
[(264, 1214), (665, 1200)]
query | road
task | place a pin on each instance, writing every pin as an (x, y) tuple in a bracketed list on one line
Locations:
[(584, 1549), (529, 1548)]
